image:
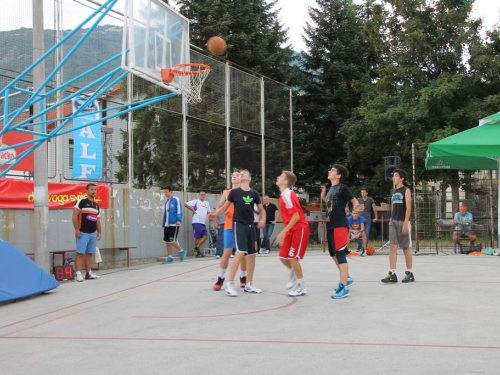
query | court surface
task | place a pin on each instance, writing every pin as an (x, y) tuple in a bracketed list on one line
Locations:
[(155, 318)]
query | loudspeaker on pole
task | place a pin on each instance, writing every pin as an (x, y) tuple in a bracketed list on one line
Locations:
[(391, 163)]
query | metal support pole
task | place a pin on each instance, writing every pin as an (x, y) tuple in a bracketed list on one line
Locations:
[(228, 124), (262, 140), (40, 180)]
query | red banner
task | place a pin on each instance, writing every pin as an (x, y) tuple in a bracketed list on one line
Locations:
[(12, 138), (20, 194)]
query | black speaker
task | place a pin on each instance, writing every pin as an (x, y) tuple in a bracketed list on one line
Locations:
[(391, 163)]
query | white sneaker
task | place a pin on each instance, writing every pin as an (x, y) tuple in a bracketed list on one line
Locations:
[(267, 251), (293, 279), (79, 276), (229, 288), (91, 276), (251, 288), (300, 291), (363, 253)]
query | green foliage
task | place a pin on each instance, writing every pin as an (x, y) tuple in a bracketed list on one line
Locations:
[(336, 57), (429, 82)]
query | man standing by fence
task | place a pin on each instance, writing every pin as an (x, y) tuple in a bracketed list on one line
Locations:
[(87, 223), (368, 207)]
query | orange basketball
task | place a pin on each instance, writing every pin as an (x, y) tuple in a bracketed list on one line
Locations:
[(216, 45), (370, 250)]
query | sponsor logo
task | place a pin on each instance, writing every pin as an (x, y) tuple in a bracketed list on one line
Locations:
[(92, 217)]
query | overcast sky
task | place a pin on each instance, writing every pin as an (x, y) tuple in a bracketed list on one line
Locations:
[(294, 15)]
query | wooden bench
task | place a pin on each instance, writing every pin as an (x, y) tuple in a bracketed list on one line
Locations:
[(64, 252), (447, 227)]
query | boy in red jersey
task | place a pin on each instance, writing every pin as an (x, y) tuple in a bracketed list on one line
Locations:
[(294, 237)]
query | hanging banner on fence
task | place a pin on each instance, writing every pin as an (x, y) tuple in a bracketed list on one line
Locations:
[(20, 194), (13, 138), (87, 147)]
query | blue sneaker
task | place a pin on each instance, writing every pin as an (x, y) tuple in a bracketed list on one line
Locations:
[(169, 260), (182, 255), (350, 281), (343, 292)]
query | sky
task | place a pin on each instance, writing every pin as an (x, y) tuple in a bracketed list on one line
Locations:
[(294, 15)]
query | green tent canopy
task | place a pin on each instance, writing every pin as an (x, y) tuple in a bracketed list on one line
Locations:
[(474, 149)]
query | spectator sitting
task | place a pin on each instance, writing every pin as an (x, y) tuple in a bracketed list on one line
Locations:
[(357, 230), (463, 227)]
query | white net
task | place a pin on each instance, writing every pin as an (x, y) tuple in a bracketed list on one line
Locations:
[(191, 78)]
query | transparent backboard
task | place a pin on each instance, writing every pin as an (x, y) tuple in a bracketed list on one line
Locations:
[(155, 37)]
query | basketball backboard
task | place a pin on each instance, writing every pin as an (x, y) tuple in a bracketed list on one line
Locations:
[(155, 36)]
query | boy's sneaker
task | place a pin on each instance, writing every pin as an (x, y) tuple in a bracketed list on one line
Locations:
[(251, 288), (79, 276), (219, 283), (292, 280), (182, 255), (363, 253), (168, 260), (390, 278), (343, 292), (243, 281), (229, 288), (350, 281), (198, 254), (300, 291), (409, 278), (91, 276), (267, 251)]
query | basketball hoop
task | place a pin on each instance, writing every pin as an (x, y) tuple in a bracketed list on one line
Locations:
[(190, 76)]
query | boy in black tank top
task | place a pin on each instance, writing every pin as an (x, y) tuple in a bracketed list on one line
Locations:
[(398, 228)]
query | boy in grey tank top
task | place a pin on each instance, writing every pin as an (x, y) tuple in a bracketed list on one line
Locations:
[(399, 235)]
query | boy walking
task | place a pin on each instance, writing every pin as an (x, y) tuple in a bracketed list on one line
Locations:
[(337, 226), (398, 227), (172, 220), (294, 238)]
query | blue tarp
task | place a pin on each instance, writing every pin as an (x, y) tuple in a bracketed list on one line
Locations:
[(20, 277)]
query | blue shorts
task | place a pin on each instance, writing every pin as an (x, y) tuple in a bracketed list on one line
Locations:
[(86, 243), (200, 230), (228, 239)]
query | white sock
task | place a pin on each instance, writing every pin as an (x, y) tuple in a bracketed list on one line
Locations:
[(393, 272), (243, 273), (222, 273), (300, 282)]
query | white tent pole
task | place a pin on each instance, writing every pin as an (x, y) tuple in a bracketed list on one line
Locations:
[(498, 203)]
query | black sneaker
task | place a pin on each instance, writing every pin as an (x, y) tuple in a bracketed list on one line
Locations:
[(409, 278), (219, 283), (243, 281), (390, 278)]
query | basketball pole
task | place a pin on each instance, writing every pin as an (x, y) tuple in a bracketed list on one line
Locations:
[(40, 175)]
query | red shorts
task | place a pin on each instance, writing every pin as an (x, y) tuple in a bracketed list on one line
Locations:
[(295, 244), (337, 241)]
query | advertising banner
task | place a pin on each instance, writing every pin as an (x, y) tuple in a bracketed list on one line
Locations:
[(12, 138), (87, 152), (20, 194)]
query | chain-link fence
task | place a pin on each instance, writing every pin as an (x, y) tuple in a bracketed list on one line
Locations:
[(243, 121), (438, 195)]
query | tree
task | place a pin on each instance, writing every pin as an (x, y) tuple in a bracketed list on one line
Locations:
[(425, 86), (336, 57), (251, 29)]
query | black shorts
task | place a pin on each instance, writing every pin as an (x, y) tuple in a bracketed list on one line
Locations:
[(245, 238), (170, 233)]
